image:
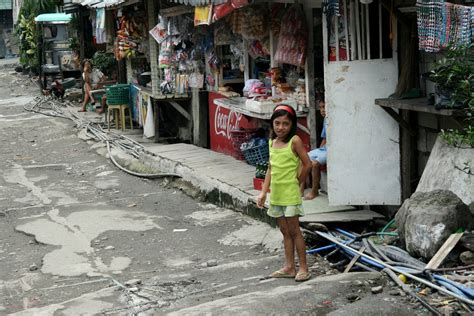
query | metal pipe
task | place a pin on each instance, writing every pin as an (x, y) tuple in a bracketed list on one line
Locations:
[(397, 269), (407, 290)]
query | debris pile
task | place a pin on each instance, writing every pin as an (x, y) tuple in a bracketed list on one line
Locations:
[(439, 290)]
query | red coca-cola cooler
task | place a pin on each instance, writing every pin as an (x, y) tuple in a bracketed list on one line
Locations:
[(223, 121)]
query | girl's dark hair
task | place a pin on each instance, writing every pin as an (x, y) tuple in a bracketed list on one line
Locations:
[(284, 110)]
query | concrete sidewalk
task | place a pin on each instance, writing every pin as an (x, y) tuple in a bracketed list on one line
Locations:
[(228, 182)]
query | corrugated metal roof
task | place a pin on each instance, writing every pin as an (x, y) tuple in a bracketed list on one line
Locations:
[(5, 4), (103, 3), (197, 3)]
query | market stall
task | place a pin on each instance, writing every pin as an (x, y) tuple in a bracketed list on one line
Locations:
[(264, 64)]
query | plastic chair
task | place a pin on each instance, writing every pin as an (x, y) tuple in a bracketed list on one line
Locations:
[(118, 112)]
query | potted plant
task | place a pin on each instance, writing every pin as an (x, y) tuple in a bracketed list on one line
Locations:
[(454, 78)]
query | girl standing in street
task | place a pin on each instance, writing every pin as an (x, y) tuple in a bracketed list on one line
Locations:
[(286, 153), (87, 78)]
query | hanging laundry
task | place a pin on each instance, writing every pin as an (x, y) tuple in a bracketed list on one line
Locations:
[(441, 24), (100, 26), (430, 24), (332, 7)]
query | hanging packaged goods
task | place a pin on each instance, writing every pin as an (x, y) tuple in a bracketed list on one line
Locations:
[(129, 37), (292, 40)]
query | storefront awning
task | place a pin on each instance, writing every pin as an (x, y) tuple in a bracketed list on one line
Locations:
[(53, 18), (197, 3)]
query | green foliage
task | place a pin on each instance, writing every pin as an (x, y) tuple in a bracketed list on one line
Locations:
[(457, 138), (104, 61), (454, 76), (26, 29), (28, 41), (74, 44)]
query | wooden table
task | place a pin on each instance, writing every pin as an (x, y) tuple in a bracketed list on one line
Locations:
[(170, 99), (416, 105)]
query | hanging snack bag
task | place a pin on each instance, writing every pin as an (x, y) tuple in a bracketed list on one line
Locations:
[(203, 15), (160, 31), (255, 26), (292, 43)]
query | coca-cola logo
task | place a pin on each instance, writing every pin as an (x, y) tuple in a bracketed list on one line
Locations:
[(225, 121)]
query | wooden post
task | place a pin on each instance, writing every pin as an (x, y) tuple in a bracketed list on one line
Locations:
[(128, 65), (408, 160), (309, 78), (155, 84), (199, 110)]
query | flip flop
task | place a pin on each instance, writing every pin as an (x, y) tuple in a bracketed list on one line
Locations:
[(81, 110), (302, 276), (282, 274)]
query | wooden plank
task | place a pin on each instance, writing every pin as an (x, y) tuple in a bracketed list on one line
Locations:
[(343, 216), (353, 261), (417, 105), (444, 251), (177, 10), (181, 110)]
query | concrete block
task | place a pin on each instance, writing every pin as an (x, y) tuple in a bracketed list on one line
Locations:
[(444, 171), (427, 120), (421, 140)]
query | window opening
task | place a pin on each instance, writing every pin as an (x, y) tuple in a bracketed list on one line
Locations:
[(358, 30)]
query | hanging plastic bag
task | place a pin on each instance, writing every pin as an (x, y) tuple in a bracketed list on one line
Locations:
[(203, 15), (149, 127), (160, 31), (222, 10), (196, 80), (239, 3)]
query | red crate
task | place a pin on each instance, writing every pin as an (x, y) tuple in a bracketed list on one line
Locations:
[(258, 183), (237, 137)]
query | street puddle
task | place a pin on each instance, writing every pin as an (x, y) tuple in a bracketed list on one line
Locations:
[(107, 184), (74, 234), (254, 234), (88, 304), (17, 175), (206, 218)]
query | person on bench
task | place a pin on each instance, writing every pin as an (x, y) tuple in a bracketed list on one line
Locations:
[(318, 156)]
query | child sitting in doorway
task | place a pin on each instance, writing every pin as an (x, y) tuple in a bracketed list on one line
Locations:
[(318, 156)]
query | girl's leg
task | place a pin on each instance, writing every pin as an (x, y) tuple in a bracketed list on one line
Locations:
[(289, 246), (297, 237), (86, 99), (88, 92)]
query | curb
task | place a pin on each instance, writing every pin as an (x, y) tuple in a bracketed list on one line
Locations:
[(213, 190)]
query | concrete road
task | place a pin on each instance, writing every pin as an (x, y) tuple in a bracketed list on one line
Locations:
[(78, 236)]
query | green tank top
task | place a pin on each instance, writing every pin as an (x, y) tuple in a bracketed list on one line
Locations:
[(284, 184)]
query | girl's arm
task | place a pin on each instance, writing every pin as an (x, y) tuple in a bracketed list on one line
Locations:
[(299, 150), (266, 185)]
